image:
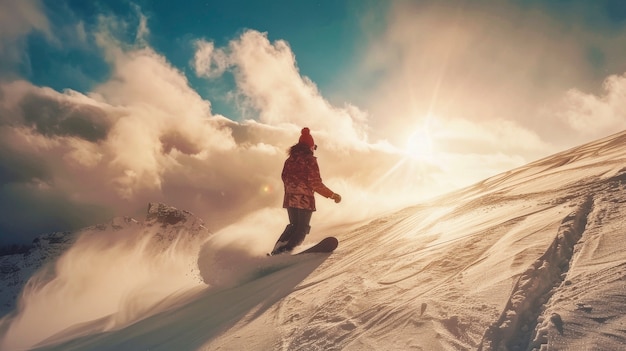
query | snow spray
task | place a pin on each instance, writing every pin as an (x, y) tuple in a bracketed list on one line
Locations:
[(108, 279)]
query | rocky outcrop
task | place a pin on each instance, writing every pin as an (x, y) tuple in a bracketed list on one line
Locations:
[(166, 215)]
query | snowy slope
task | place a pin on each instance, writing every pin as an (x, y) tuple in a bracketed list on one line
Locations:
[(531, 259)]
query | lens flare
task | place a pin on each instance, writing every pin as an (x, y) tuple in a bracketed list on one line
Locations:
[(419, 145), (267, 189)]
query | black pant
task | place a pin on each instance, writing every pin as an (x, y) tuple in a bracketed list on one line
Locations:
[(295, 231)]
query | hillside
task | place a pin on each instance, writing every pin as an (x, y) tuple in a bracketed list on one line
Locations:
[(530, 259)]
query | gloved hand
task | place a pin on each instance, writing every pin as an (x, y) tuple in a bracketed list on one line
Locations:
[(336, 197)]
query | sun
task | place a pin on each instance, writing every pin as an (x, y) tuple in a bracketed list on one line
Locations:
[(419, 145)]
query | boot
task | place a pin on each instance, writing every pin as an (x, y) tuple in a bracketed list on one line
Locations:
[(283, 240)]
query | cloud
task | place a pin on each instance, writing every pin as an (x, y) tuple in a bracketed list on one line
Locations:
[(209, 62), (54, 117), (17, 20), (495, 66), (107, 152), (71, 159), (142, 31), (459, 136), (270, 86), (593, 115)]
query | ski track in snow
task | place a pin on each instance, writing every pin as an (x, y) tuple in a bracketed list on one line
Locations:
[(593, 295), (535, 285)]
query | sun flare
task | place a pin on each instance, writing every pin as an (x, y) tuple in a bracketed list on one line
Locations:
[(419, 145)]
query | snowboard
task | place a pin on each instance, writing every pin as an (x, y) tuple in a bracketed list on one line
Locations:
[(327, 245)]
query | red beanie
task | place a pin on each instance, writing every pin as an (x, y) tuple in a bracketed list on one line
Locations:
[(306, 137)]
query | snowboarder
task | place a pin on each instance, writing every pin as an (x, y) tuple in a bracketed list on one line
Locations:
[(301, 177)]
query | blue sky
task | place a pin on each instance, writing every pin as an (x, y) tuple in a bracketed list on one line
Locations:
[(325, 35), (108, 105)]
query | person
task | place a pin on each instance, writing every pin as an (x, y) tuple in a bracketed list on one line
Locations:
[(301, 177)]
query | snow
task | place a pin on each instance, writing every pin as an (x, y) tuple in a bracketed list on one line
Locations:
[(530, 259)]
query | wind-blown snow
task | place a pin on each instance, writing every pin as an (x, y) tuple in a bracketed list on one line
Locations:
[(531, 259)]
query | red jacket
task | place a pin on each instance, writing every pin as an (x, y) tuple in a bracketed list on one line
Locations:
[(301, 176)]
